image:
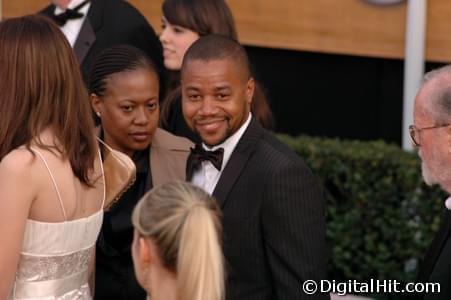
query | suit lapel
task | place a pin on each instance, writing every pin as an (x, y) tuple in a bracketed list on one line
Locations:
[(237, 161), (189, 168), (85, 40), (92, 24), (435, 249)]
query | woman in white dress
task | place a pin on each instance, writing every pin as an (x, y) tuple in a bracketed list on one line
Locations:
[(176, 249), (51, 178)]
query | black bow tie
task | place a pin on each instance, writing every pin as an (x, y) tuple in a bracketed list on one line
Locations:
[(199, 154), (69, 14)]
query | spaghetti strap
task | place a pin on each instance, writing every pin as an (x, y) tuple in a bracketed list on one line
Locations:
[(103, 178), (53, 180)]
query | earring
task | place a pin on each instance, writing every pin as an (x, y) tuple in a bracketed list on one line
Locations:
[(98, 114)]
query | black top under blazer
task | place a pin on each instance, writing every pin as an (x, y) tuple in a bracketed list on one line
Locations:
[(273, 220)]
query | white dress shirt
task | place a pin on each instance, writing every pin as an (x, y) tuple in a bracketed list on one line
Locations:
[(207, 176), (72, 27)]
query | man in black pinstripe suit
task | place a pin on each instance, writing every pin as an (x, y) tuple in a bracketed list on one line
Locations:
[(273, 209)]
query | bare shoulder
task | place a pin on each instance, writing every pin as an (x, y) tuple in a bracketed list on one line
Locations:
[(18, 180), (18, 162)]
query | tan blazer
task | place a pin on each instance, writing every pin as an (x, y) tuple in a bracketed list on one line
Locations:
[(168, 156)]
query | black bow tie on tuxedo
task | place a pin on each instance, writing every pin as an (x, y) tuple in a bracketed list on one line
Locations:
[(69, 14), (199, 154)]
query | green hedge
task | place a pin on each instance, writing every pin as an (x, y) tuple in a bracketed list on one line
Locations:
[(380, 215)]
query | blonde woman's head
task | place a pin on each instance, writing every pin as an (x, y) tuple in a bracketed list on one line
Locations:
[(177, 227)]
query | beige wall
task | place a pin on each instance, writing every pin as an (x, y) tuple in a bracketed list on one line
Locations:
[(331, 26)]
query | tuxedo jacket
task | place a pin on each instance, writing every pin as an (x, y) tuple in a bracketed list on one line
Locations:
[(436, 267), (109, 23), (115, 277), (273, 220)]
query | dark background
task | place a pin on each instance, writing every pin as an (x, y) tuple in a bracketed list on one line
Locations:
[(330, 95)]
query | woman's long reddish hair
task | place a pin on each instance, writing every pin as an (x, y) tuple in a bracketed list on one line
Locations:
[(41, 87)]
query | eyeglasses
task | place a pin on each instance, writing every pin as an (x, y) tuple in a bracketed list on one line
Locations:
[(415, 132)]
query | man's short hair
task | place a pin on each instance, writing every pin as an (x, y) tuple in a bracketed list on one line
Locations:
[(218, 47)]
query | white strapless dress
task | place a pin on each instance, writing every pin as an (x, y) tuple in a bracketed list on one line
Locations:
[(55, 257)]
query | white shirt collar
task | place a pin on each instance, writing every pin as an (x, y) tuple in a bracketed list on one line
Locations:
[(72, 27), (208, 176), (230, 143)]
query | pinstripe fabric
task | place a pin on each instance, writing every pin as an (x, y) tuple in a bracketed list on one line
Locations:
[(436, 266), (273, 216)]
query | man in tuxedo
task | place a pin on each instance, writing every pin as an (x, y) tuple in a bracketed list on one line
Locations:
[(92, 26), (431, 134), (273, 209)]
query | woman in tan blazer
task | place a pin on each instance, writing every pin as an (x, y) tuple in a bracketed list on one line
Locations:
[(124, 90)]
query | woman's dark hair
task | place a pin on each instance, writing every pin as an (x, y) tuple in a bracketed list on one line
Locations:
[(206, 17), (117, 59), (201, 16), (41, 87), (260, 107)]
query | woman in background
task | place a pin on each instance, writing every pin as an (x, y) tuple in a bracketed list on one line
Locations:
[(51, 178), (176, 249), (124, 88), (183, 22)]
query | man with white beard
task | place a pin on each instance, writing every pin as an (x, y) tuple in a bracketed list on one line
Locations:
[(431, 134)]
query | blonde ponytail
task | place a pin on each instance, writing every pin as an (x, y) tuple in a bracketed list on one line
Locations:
[(183, 221), (200, 263)]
